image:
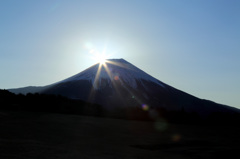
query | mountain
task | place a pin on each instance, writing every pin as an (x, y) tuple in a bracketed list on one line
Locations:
[(119, 84)]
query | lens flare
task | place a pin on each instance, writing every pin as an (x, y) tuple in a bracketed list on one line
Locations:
[(176, 137), (116, 78), (145, 107)]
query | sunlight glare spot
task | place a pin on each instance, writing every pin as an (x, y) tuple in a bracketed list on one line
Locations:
[(116, 78), (101, 60), (145, 107), (98, 57)]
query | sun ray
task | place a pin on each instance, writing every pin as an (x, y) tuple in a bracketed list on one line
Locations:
[(95, 85), (113, 81), (117, 64), (101, 57), (114, 84), (97, 75)]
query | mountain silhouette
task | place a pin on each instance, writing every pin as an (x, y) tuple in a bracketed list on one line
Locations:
[(119, 84)]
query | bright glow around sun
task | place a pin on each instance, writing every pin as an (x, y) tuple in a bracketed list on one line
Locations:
[(101, 58), (97, 55)]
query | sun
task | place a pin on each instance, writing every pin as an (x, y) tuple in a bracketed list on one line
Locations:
[(100, 58), (102, 61), (99, 54)]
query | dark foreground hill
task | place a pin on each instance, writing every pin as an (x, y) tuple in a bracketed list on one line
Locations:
[(31, 135), (38, 126), (59, 104)]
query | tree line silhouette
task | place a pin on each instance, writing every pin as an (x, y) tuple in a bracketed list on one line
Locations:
[(58, 104), (45, 103)]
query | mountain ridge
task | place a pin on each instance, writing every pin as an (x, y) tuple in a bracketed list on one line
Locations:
[(118, 83)]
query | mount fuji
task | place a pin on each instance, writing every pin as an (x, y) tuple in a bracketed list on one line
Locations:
[(118, 83)]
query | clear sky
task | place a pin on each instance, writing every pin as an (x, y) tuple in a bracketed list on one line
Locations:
[(192, 45)]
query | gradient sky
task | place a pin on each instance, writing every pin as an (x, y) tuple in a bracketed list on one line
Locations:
[(192, 45)]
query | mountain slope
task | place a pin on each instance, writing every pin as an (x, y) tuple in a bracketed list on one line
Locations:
[(119, 84)]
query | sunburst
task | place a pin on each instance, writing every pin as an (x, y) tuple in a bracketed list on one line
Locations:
[(101, 58)]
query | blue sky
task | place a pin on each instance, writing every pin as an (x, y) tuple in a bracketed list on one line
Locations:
[(192, 45)]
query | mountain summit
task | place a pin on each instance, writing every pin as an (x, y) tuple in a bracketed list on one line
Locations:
[(112, 70), (118, 84)]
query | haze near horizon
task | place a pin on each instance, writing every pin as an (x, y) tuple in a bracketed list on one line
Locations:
[(190, 45)]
